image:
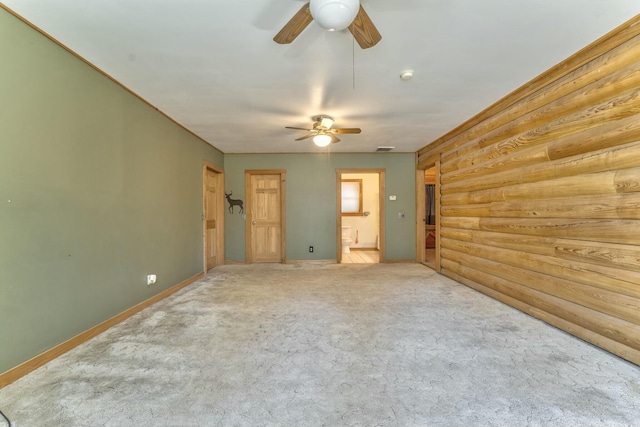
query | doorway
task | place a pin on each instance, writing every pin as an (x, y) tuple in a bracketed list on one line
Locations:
[(213, 216), (360, 216), (428, 202), (265, 222)]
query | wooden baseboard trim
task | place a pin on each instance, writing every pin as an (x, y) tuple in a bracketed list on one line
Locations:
[(365, 249), (618, 348), (34, 363)]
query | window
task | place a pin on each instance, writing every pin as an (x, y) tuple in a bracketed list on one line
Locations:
[(352, 197)]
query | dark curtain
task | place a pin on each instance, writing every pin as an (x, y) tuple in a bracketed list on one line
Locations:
[(431, 204)]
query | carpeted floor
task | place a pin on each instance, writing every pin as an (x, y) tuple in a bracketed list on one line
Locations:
[(329, 345)]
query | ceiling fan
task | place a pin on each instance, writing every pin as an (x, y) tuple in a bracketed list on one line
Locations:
[(322, 133), (333, 15)]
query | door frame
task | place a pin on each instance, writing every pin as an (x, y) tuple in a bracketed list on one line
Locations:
[(249, 256), (381, 219), (219, 214), (421, 216)]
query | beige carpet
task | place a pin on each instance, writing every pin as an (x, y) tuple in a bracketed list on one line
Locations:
[(329, 345)]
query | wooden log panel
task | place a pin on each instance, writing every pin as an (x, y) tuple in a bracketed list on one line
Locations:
[(545, 124), (479, 210), (540, 195), (613, 346), (581, 273), (627, 180), (611, 327), (601, 183), (519, 242), (598, 230), (604, 301), (618, 206), (601, 160), (606, 135), (616, 49), (623, 260)]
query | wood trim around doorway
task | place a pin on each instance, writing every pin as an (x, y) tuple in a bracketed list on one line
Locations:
[(381, 198), (421, 217), (220, 214)]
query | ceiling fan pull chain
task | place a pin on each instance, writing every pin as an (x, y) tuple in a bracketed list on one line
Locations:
[(353, 60)]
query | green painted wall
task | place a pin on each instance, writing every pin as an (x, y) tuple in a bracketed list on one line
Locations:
[(97, 190), (311, 201)]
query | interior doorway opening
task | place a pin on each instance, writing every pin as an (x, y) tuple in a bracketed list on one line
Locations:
[(213, 215), (428, 206), (360, 216), (430, 215)]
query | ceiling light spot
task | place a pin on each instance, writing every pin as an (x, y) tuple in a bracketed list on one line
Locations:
[(406, 74), (322, 140)]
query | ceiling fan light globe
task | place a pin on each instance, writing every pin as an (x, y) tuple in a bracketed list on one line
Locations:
[(334, 15), (322, 140)]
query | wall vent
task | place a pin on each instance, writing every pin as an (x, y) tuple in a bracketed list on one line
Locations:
[(385, 148)]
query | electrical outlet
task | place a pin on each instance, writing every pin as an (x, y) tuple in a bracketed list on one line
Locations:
[(310, 248), (151, 279)]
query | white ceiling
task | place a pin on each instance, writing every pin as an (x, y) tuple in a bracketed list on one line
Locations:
[(213, 67)]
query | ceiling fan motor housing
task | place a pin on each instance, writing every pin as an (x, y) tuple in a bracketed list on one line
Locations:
[(334, 15), (323, 122)]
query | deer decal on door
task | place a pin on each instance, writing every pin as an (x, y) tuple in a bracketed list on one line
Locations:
[(234, 202)]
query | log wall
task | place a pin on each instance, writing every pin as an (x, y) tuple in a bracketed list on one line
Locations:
[(540, 195)]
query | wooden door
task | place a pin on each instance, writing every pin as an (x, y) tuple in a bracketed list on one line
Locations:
[(265, 233), (213, 217)]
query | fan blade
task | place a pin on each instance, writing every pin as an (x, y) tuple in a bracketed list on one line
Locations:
[(363, 30), (295, 26), (291, 127), (311, 135), (334, 138), (345, 130)]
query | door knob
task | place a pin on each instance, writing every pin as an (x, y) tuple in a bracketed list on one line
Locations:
[(253, 222)]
